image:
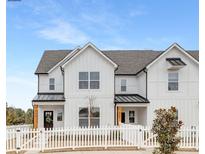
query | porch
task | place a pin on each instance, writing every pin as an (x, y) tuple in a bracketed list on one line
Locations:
[(48, 110), (131, 109)]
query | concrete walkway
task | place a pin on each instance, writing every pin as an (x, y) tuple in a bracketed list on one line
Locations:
[(107, 152), (117, 152)]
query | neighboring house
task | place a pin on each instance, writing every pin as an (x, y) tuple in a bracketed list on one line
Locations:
[(90, 87)]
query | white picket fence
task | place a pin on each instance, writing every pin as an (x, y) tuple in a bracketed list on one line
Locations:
[(12, 129), (108, 136)]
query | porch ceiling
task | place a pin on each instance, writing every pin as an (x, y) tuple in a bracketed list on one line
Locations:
[(130, 98)]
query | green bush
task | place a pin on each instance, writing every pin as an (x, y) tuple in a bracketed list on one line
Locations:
[(166, 127)]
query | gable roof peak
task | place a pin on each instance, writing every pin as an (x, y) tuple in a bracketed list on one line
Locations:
[(77, 52)]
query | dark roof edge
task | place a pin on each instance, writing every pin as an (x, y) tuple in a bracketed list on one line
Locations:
[(56, 93), (131, 102), (48, 100), (146, 100)]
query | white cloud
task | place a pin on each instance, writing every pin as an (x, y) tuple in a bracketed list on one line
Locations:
[(135, 13), (63, 32)]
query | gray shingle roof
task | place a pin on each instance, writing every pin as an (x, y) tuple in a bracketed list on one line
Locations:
[(49, 59), (129, 61)]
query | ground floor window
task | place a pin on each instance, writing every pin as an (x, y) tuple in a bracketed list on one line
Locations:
[(60, 116), (131, 116), (89, 116)]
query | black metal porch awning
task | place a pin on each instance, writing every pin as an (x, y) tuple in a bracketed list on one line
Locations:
[(176, 61), (130, 98), (49, 97)]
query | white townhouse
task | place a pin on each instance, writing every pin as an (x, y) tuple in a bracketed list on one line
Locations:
[(92, 87)]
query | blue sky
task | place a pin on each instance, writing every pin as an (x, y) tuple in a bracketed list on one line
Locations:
[(36, 25)]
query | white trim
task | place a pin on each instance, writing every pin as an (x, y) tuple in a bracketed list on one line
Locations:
[(48, 103), (96, 49), (132, 104), (69, 55), (168, 49)]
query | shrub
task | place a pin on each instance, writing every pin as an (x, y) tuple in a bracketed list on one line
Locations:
[(166, 127)]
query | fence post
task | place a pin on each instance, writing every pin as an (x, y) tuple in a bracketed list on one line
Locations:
[(139, 132), (18, 140), (106, 137), (197, 138), (42, 141), (73, 138)]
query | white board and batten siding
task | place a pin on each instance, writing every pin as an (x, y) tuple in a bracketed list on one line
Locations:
[(134, 84), (44, 81), (89, 61), (56, 109), (185, 99)]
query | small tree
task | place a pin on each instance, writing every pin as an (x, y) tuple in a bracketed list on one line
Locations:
[(166, 127), (29, 116)]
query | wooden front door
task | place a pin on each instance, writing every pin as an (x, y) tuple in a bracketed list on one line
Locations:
[(48, 119)]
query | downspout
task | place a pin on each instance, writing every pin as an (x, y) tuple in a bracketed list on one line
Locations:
[(145, 71), (38, 83), (115, 118), (114, 103), (62, 71)]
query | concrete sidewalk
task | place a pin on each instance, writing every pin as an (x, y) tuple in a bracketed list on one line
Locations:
[(109, 152), (117, 152)]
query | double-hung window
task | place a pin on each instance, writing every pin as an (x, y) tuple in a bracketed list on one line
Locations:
[(131, 116), (123, 85), (60, 116), (83, 117), (83, 80), (89, 80), (173, 81), (51, 84), (89, 116), (94, 80)]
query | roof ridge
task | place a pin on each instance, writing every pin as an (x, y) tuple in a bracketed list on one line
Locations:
[(57, 50), (135, 60)]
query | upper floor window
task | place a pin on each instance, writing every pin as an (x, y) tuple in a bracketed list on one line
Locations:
[(51, 84), (83, 80), (94, 80), (173, 81), (89, 80), (123, 85)]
